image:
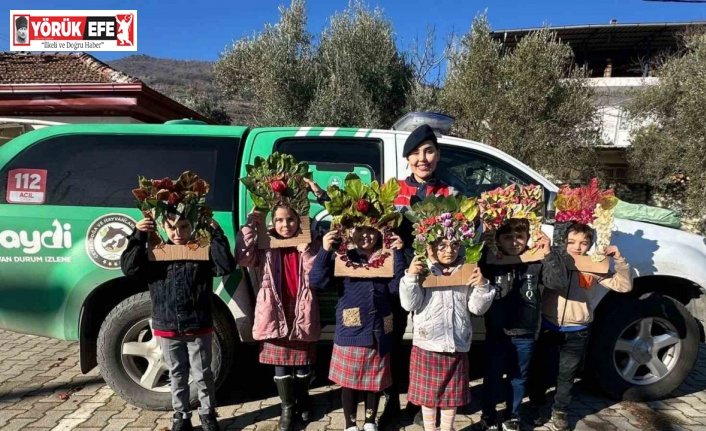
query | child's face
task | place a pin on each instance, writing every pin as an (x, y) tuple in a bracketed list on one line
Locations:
[(577, 244), (445, 251), (285, 222), (423, 160), (178, 232), (22, 32), (513, 243), (365, 238)]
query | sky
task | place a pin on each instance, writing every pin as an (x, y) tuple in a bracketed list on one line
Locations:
[(176, 29)]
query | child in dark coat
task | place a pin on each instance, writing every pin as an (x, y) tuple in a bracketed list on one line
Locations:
[(182, 310), (360, 361), (512, 321)]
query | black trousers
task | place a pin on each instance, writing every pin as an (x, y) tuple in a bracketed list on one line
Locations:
[(556, 359)]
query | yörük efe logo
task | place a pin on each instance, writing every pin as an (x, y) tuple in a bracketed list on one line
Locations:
[(73, 30)]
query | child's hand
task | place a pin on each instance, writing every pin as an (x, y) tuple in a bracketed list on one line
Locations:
[(544, 243), (256, 217), (313, 186), (330, 239), (613, 252), (145, 225), (416, 266), (476, 278), (213, 224), (397, 243)]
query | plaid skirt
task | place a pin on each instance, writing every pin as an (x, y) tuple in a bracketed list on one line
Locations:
[(438, 379), (285, 352), (360, 368)]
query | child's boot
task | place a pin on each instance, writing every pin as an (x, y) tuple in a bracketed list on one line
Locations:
[(285, 388), (558, 421), (179, 423), (303, 398), (209, 422)]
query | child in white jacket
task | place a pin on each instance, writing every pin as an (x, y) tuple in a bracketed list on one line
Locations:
[(442, 332)]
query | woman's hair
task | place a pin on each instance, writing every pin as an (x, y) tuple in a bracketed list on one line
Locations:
[(514, 225), (585, 229)]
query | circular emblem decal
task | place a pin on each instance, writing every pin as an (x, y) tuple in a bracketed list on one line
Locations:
[(335, 181), (106, 239)]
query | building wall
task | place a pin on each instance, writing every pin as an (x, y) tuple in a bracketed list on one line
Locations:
[(611, 96)]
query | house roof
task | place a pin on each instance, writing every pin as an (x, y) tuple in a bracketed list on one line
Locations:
[(647, 36), (59, 68), (65, 84)]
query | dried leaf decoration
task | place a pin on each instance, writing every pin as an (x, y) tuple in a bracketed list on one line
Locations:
[(279, 179), (364, 205), (183, 198), (503, 204), (588, 205), (439, 217)]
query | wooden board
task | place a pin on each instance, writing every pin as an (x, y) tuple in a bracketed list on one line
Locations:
[(387, 270), (265, 240), (171, 252), (585, 264), (525, 257), (458, 278)]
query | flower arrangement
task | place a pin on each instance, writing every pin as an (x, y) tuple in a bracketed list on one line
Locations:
[(511, 202), (364, 205), (278, 180), (439, 217), (587, 205), (183, 198)]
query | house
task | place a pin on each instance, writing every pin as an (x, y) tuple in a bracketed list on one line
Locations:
[(618, 58), (37, 90)]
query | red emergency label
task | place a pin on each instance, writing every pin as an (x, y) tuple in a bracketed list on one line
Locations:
[(27, 186)]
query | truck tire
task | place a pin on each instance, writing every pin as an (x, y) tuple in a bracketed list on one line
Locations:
[(645, 349), (130, 360)]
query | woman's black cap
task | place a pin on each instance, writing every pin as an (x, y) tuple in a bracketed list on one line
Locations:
[(420, 135)]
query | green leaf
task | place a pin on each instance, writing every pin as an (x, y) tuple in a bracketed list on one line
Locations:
[(474, 253), (389, 191), (249, 183), (355, 189)]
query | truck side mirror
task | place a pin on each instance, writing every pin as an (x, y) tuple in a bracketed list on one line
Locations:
[(549, 210)]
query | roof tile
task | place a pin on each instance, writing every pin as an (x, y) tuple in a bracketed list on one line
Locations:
[(59, 68)]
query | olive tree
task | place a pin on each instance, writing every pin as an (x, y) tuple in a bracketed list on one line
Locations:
[(352, 74), (206, 105), (668, 144), (529, 102)]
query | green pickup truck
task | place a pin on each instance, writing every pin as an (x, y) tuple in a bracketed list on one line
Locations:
[(67, 208)]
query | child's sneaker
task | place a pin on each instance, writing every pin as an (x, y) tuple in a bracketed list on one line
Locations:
[(511, 425), (209, 422), (353, 428), (181, 424), (558, 421), (487, 424), (536, 415), (370, 427)]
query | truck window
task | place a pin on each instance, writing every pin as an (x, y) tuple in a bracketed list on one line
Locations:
[(473, 173), (351, 151), (102, 170)]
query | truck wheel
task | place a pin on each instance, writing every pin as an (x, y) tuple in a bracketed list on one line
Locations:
[(131, 362), (645, 350)]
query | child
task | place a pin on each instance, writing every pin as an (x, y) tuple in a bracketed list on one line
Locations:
[(182, 316), (287, 311), (566, 319), (360, 361), (439, 362), (513, 320)]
